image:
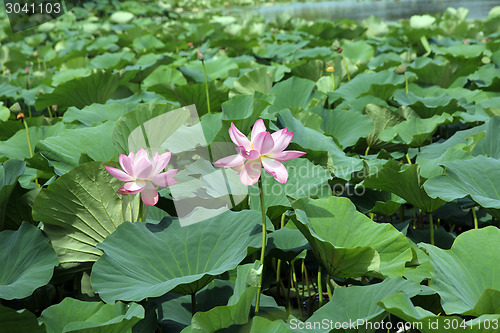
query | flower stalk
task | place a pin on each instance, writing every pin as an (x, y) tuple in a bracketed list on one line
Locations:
[(201, 57), (263, 250)]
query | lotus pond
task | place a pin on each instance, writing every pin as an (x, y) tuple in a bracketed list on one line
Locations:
[(165, 171)]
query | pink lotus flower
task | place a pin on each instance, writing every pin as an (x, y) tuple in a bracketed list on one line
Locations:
[(144, 175), (263, 150)]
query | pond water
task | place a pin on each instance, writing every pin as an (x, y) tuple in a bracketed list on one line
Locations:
[(387, 10)]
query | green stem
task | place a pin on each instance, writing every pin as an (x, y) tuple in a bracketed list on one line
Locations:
[(306, 276), (29, 110), (320, 287), (263, 250), (333, 82), (193, 303), (295, 285), (406, 83), (475, 217), (278, 267), (206, 85), (346, 68), (408, 158), (50, 112), (431, 224), (29, 145), (130, 206), (329, 288), (367, 150), (141, 204)]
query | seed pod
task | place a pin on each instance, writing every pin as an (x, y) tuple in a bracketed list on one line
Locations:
[(15, 108), (20, 115)]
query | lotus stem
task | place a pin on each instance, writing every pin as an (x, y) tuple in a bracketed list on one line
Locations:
[(367, 150), (475, 217), (306, 276), (141, 205), (406, 83), (431, 224), (193, 303), (408, 158), (50, 112), (346, 68), (295, 285), (333, 82), (278, 266), (320, 287), (329, 288), (29, 144), (263, 250), (206, 85)]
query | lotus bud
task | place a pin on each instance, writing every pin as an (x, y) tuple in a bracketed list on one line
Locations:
[(330, 69), (201, 57), (335, 45), (20, 115), (27, 70), (401, 69)]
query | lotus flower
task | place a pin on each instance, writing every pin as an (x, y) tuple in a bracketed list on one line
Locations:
[(143, 175), (263, 150)]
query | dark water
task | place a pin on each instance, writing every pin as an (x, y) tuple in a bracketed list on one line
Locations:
[(387, 10)]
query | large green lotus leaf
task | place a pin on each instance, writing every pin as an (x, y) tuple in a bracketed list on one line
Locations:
[(175, 311), (261, 324), (406, 184), (222, 317), (430, 157), (490, 144), (292, 93), (358, 52), (243, 111), (156, 131), (98, 87), (143, 260), (147, 43), (21, 321), (111, 61), (347, 127), (347, 242), (17, 146), (381, 84), (217, 68), (304, 180), (382, 118), (309, 69), (27, 259), (260, 79), (400, 305), (95, 114), (440, 71), (10, 172), (163, 79), (414, 131), (486, 77), (477, 178), (278, 50), (64, 150), (72, 315), (313, 140), (466, 276), (80, 209), (348, 305), (286, 243), (196, 94), (428, 106)]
